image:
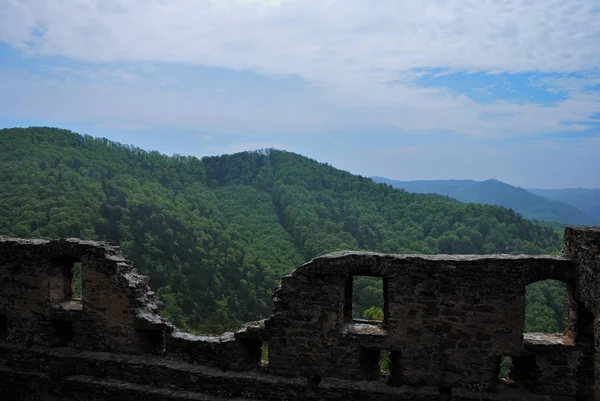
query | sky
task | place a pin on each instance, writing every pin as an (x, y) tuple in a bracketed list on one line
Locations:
[(404, 89)]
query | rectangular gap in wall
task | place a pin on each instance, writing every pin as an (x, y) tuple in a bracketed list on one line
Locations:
[(384, 363), (504, 368), (76, 281), (3, 326), (252, 350), (367, 295), (370, 363), (65, 283), (63, 332), (152, 341), (523, 367), (264, 354), (554, 295), (395, 368)]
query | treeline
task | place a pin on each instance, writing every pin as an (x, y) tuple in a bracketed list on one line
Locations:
[(215, 235)]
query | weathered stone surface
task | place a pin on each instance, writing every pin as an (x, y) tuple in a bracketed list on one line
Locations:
[(38, 301), (448, 321), (449, 318), (582, 245)]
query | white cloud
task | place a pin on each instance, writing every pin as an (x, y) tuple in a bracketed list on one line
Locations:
[(314, 38), (347, 51)]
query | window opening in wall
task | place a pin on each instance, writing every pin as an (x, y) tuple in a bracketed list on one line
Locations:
[(504, 368), (77, 284), (63, 331), (513, 370), (3, 327), (546, 307), (370, 363), (376, 363), (152, 341), (264, 354), (68, 284), (252, 351), (366, 298), (522, 367), (384, 362), (394, 367)]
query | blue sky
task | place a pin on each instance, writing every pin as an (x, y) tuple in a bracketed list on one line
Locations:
[(435, 89)]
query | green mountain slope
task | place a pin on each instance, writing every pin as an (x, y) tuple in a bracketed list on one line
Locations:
[(494, 192), (584, 199), (215, 235)]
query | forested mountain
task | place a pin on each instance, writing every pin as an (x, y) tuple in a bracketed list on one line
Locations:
[(215, 235), (494, 192), (584, 199)]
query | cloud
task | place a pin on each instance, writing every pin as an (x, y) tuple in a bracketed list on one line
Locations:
[(315, 39), (358, 63)]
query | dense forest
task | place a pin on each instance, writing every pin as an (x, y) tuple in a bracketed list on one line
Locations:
[(215, 235)]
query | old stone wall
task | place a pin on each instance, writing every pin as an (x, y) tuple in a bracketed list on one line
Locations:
[(39, 305), (448, 321), (117, 312)]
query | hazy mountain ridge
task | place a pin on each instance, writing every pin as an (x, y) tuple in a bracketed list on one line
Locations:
[(494, 192), (585, 199)]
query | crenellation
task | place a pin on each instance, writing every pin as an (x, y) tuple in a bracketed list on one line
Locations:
[(448, 321)]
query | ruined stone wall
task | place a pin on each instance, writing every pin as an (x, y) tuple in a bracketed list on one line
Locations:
[(116, 313), (447, 322), (449, 319), (39, 306)]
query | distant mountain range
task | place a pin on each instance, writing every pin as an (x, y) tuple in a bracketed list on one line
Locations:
[(587, 200), (569, 206)]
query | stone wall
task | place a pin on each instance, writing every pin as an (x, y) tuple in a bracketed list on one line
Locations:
[(448, 321), (582, 245), (39, 306)]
